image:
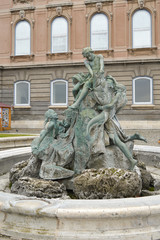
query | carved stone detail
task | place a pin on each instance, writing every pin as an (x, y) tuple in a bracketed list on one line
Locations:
[(141, 3), (33, 23), (154, 11), (129, 13), (99, 7), (22, 14), (59, 11), (22, 1), (87, 16), (111, 15)]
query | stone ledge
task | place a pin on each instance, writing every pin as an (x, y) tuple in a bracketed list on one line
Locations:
[(9, 157), (144, 148), (14, 142), (14, 152)]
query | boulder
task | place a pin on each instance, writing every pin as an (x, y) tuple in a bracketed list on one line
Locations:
[(29, 168), (107, 183), (39, 188)]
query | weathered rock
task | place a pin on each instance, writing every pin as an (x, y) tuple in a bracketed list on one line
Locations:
[(39, 188), (29, 168), (147, 179), (107, 183), (14, 174)]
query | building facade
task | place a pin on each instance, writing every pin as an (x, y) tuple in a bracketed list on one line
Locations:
[(41, 45)]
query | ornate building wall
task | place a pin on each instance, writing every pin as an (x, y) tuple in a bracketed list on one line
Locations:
[(42, 65)]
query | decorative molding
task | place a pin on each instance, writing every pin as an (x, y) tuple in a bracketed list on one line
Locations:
[(22, 1), (33, 23), (111, 15), (12, 10), (87, 16), (133, 51), (21, 58), (70, 18), (106, 53), (96, 1), (53, 56), (141, 3), (59, 5), (129, 13), (154, 11), (59, 11), (22, 14), (99, 7)]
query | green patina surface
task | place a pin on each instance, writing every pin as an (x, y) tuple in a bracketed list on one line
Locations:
[(65, 147)]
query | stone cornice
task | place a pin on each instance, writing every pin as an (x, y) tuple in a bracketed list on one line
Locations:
[(71, 64), (67, 4), (22, 1), (12, 10), (96, 1)]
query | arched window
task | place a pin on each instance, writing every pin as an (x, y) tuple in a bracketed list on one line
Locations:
[(141, 29), (22, 38), (99, 32), (59, 92), (22, 93), (142, 90), (59, 35)]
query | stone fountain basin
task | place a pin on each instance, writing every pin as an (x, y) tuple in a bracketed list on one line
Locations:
[(30, 218), (27, 218)]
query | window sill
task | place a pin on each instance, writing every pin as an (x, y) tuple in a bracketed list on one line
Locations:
[(105, 53), (143, 106), (20, 58), (58, 106), (136, 51), (63, 55), (26, 107)]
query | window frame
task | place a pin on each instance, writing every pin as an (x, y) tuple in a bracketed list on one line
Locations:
[(96, 14), (15, 39), (151, 91), (15, 93), (51, 93), (135, 47), (67, 36)]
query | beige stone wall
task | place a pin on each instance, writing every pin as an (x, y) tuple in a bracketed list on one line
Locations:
[(41, 77)]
